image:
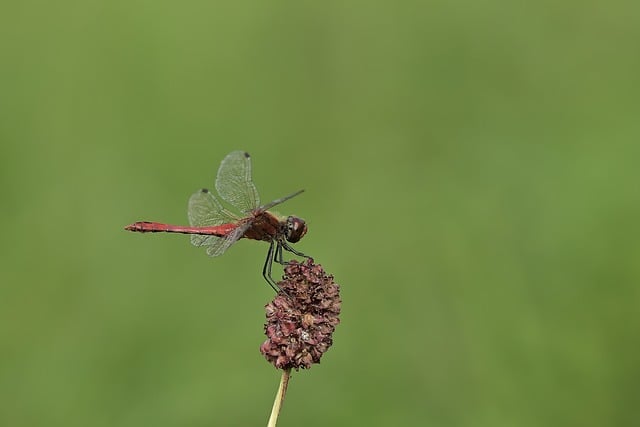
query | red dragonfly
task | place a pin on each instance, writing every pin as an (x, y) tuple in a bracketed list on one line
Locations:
[(216, 228)]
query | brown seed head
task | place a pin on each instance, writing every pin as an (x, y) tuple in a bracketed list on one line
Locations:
[(302, 317)]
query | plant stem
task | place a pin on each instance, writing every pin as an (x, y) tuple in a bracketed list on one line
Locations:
[(282, 390)]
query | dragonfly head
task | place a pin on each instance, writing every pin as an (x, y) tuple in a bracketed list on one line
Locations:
[(296, 228)]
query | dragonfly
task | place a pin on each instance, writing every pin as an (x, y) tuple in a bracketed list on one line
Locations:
[(217, 228)]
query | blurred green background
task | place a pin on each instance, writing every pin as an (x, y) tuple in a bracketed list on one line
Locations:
[(472, 183)]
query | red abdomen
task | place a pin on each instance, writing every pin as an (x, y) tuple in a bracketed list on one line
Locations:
[(157, 227)]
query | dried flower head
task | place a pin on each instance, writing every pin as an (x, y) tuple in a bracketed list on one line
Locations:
[(302, 317)]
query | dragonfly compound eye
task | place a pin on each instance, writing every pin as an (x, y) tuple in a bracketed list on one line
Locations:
[(296, 228)]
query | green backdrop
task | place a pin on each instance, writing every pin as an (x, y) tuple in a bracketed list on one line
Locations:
[(471, 181)]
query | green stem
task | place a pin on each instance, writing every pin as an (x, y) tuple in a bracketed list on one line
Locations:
[(282, 390)]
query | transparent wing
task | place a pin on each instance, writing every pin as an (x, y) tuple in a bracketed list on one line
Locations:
[(234, 183), (204, 211), (218, 245)]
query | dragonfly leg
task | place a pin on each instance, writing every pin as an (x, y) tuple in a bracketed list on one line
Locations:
[(290, 248), (277, 256), (266, 270)]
